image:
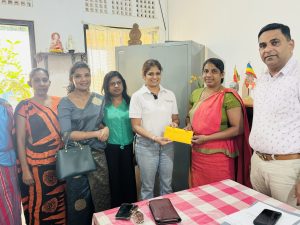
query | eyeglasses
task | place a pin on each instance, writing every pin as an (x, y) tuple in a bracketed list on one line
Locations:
[(113, 84)]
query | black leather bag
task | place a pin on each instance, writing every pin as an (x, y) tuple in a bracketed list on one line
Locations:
[(74, 161)]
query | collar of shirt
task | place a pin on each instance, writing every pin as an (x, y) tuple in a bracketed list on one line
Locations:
[(285, 71), (146, 90)]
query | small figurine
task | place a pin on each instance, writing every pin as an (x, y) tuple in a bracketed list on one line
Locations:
[(55, 45), (250, 77), (135, 35), (70, 45)]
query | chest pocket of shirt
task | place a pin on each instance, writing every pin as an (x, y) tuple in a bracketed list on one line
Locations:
[(166, 104), (285, 95)]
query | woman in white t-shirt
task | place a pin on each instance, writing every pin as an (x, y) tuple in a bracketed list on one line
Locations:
[(152, 108)]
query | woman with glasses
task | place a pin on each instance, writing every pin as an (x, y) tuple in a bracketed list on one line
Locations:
[(152, 108), (119, 151)]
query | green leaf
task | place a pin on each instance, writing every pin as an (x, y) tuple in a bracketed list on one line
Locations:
[(12, 78)]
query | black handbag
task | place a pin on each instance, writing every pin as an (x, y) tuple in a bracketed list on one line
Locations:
[(77, 159), (74, 161)]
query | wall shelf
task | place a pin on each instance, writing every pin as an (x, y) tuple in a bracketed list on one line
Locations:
[(43, 56)]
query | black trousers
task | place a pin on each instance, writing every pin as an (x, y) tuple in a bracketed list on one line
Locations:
[(121, 174)]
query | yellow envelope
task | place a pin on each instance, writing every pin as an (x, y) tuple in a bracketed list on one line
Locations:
[(179, 135)]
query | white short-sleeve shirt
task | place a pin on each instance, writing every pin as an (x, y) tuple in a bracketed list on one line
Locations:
[(276, 105), (156, 114)]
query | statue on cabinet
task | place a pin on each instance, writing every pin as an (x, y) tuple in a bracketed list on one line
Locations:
[(135, 35), (55, 45)]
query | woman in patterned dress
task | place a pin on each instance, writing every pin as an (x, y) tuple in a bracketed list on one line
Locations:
[(38, 140)]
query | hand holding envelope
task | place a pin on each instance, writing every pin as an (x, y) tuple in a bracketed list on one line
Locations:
[(179, 135)]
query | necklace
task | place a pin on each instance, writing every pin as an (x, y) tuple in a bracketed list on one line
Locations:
[(206, 94)]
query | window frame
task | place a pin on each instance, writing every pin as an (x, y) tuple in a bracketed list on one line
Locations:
[(30, 25)]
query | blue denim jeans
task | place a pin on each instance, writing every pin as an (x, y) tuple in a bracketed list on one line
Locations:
[(152, 158)]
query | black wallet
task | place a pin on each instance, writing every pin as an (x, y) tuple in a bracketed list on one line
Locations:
[(163, 211)]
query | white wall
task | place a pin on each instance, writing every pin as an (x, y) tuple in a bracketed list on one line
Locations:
[(67, 18), (229, 28)]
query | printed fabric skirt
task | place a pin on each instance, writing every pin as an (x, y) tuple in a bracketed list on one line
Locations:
[(10, 201), (87, 194), (44, 201)]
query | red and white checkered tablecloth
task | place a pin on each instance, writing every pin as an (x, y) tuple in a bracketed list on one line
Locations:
[(201, 205)]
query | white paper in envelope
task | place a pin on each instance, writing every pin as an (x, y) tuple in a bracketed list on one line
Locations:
[(246, 216)]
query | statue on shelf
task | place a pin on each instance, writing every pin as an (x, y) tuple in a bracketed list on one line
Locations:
[(135, 35), (70, 45), (55, 45)]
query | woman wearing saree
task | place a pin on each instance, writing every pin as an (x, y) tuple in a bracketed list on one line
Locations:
[(220, 148), (38, 140), (10, 200), (80, 116)]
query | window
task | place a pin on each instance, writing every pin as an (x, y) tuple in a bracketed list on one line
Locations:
[(22, 3), (19, 36), (138, 8), (100, 47)]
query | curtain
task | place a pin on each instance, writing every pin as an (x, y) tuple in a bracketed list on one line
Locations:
[(101, 42)]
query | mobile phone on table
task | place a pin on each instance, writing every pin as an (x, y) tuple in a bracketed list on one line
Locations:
[(125, 211), (267, 217)]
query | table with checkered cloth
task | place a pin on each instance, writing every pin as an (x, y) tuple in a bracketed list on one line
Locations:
[(201, 205)]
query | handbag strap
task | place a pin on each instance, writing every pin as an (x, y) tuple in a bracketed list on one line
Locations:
[(76, 143)]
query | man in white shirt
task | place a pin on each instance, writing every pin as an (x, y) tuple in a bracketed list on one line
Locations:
[(275, 134)]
